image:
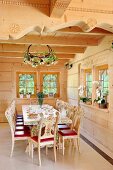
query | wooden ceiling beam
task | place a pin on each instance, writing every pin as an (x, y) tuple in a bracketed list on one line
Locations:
[(80, 40), (58, 7), (21, 55), (34, 48), (61, 62)]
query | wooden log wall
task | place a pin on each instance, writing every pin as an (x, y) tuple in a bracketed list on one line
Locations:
[(8, 84)]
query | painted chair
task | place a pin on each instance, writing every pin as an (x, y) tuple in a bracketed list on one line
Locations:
[(17, 132), (73, 133), (47, 128)]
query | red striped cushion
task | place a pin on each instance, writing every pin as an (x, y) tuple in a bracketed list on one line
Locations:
[(19, 123), (22, 133), (67, 132)]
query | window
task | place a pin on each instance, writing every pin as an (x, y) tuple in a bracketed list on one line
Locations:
[(88, 83), (103, 81), (50, 83), (26, 83)]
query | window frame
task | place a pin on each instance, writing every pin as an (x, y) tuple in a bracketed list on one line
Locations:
[(102, 67), (58, 82), (88, 71), (17, 83)]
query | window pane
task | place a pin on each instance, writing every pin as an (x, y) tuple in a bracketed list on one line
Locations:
[(88, 85), (26, 83), (50, 83), (103, 79)]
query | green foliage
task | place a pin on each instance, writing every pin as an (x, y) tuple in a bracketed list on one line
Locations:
[(96, 100), (85, 99), (46, 57), (21, 92), (40, 96)]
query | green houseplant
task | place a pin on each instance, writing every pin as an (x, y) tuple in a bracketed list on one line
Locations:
[(40, 97), (86, 100), (101, 102)]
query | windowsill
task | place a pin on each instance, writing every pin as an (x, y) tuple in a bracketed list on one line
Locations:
[(32, 98), (94, 107)]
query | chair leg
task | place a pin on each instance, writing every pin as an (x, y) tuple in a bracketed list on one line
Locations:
[(59, 142), (32, 151), (29, 148), (39, 158), (55, 151), (78, 144), (46, 150), (12, 148), (63, 145)]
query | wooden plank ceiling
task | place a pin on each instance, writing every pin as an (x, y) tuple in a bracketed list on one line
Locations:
[(66, 41)]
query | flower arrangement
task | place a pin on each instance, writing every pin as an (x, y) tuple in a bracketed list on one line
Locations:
[(40, 58), (81, 89), (40, 96), (101, 98)]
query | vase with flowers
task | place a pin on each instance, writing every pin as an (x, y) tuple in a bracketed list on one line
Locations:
[(40, 97)]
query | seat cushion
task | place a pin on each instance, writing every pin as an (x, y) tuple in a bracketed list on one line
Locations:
[(67, 132), (19, 115), (19, 123), (63, 127), (22, 127), (35, 138), (19, 128), (22, 133), (19, 120)]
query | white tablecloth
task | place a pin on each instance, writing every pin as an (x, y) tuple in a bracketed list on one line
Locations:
[(46, 110)]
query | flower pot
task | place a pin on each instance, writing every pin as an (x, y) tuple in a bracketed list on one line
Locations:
[(28, 96), (95, 104), (102, 105), (21, 96), (40, 101), (88, 102)]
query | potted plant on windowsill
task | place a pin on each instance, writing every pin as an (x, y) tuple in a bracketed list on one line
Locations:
[(102, 103), (21, 93), (86, 100), (28, 95), (40, 97)]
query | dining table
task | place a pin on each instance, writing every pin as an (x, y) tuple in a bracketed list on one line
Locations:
[(32, 114)]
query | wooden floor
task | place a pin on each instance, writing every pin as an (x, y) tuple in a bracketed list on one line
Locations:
[(88, 159)]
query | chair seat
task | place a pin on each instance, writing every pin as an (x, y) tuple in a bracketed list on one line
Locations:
[(63, 127), (18, 128), (19, 115), (22, 133), (19, 120), (35, 138), (19, 123), (67, 132)]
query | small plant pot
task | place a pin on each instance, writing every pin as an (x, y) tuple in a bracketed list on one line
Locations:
[(28, 96), (21, 96), (96, 104), (88, 102), (102, 105)]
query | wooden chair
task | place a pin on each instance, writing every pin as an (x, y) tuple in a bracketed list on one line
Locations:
[(17, 132), (72, 112), (46, 135), (73, 133)]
